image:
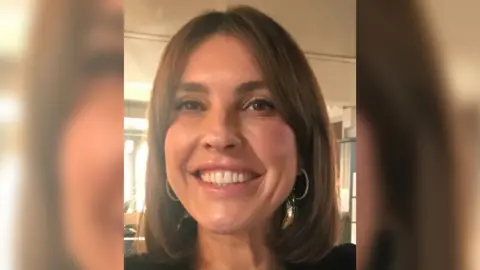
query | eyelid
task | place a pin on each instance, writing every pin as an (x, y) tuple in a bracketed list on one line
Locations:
[(181, 101), (253, 99)]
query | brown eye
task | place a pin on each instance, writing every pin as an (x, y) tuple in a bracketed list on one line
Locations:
[(259, 105), (189, 105)]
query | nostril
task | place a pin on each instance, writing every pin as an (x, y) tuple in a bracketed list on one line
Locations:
[(230, 146), (221, 146), (221, 141)]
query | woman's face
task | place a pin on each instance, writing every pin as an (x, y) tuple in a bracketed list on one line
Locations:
[(91, 167), (230, 158)]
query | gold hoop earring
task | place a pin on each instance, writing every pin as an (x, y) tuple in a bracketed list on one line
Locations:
[(291, 205), (169, 193)]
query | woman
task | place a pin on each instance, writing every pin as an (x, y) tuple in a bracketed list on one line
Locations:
[(406, 162), (71, 209), (241, 163)]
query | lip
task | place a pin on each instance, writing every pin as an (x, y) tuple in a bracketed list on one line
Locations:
[(225, 166), (237, 190), (247, 188)]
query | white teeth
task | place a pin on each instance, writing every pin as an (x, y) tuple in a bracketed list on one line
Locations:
[(234, 177), (241, 178), (222, 178), (227, 177), (219, 178)]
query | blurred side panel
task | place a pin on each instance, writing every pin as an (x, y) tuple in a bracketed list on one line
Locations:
[(459, 47), (14, 21), (468, 199), (403, 96)]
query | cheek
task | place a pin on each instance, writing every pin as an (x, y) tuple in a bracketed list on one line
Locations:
[(274, 143), (178, 145)]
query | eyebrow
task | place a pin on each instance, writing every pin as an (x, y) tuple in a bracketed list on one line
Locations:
[(249, 86), (241, 89)]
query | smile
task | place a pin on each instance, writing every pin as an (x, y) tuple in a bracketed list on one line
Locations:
[(225, 177)]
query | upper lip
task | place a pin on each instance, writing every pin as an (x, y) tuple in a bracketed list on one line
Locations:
[(223, 166)]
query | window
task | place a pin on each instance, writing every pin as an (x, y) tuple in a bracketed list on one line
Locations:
[(348, 198), (135, 165), (140, 176), (128, 170)]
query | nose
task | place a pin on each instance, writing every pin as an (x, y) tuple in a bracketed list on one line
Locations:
[(220, 132)]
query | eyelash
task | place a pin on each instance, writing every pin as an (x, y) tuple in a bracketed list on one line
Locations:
[(259, 101), (181, 105), (198, 106)]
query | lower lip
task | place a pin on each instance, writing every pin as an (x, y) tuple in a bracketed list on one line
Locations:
[(231, 190)]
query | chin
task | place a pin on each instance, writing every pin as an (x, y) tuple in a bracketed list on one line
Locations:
[(224, 226)]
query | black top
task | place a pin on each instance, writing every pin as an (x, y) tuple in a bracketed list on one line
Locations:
[(342, 257)]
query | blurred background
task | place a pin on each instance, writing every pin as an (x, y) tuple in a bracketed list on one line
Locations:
[(459, 51), (325, 30), (14, 22)]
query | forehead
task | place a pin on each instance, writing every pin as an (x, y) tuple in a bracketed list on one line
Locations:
[(222, 59)]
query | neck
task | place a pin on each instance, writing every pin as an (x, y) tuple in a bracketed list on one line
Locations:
[(239, 251)]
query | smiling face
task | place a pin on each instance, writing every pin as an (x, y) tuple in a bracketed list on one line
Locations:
[(230, 158)]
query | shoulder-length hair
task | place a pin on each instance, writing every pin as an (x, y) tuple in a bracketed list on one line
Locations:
[(297, 95)]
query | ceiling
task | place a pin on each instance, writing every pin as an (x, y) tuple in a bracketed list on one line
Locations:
[(325, 30)]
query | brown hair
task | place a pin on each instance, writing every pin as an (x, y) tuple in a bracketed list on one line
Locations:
[(299, 100), (400, 94)]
